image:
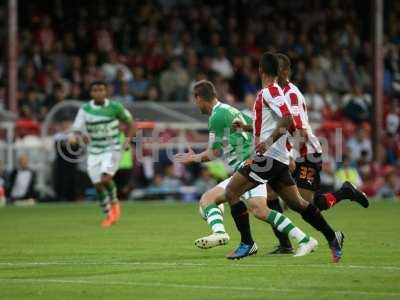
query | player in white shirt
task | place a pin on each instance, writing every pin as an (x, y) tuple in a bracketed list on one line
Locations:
[(306, 151), (270, 163)]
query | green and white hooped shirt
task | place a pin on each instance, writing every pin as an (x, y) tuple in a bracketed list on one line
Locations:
[(101, 123)]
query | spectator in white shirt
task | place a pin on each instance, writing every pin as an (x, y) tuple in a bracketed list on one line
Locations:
[(359, 143)]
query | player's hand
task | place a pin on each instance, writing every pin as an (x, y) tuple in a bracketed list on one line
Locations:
[(262, 147), (186, 157), (237, 124), (126, 145)]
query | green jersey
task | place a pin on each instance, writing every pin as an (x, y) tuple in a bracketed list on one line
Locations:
[(101, 123), (236, 146)]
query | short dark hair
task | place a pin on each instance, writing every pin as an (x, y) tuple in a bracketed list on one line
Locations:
[(98, 82), (284, 61), (269, 64), (205, 89)]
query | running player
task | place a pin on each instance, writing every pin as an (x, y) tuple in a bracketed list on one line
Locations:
[(97, 123), (307, 153), (271, 161), (236, 147)]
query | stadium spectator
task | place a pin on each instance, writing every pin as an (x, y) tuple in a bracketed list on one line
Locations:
[(391, 188), (357, 105), (392, 120), (347, 173), (22, 181), (205, 181), (32, 106), (173, 82), (359, 143)]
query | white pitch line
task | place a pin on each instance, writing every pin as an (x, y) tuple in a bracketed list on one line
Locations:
[(184, 264), (195, 286)]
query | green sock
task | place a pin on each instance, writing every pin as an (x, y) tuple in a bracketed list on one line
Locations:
[(284, 225), (112, 191), (215, 218), (102, 196)]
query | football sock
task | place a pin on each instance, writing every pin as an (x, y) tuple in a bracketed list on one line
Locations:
[(283, 238), (112, 191), (327, 200), (102, 196), (241, 217), (215, 218), (286, 227), (313, 216)]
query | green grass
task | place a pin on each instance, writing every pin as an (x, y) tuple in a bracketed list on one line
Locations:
[(60, 252)]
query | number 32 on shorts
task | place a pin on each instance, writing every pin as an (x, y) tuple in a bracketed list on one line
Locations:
[(307, 173)]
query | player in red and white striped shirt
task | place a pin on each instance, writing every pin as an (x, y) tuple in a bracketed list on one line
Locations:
[(270, 164), (307, 152)]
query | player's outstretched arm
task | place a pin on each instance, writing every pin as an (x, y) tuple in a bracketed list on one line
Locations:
[(238, 124), (191, 156)]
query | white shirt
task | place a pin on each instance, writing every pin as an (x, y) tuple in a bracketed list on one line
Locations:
[(308, 144), (270, 106)]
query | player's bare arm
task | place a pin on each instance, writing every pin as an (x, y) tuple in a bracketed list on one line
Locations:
[(281, 128), (191, 156)]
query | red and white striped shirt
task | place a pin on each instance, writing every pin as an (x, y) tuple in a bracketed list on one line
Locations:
[(307, 143), (270, 106)]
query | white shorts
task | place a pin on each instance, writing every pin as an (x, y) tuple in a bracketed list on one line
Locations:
[(259, 191), (104, 163)]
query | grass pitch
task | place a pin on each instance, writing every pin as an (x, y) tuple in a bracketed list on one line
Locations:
[(59, 251)]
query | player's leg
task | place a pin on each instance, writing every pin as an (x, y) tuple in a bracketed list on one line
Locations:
[(94, 172), (257, 205), (237, 186), (109, 166), (307, 177), (285, 246), (311, 214), (347, 191), (213, 214)]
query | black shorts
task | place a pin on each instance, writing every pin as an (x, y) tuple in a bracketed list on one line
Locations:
[(264, 169), (307, 172)]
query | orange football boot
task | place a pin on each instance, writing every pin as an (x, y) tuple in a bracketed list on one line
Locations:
[(116, 210), (108, 221)]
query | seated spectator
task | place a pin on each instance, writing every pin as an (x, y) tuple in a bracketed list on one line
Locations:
[(357, 105), (22, 181), (315, 103), (347, 173), (391, 188), (359, 143), (173, 82), (111, 67), (32, 106), (139, 85), (124, 95), (222, 65), (249, 100), (392, 121), (392, 149)]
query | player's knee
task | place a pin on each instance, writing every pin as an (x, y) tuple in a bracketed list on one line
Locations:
[(206, 199), (258, 209)]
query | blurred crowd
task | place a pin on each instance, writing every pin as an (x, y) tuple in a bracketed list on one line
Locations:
[(155, 50)]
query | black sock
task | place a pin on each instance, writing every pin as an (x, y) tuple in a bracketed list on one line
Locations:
[(313, 216), (283, 238), (327, 200), (241, 218)]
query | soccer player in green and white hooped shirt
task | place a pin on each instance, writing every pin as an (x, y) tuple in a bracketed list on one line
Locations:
[(97, 122), (236, 147)]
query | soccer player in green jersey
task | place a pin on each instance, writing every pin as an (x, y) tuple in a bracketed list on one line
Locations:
[(236, 148), (97, 123)]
